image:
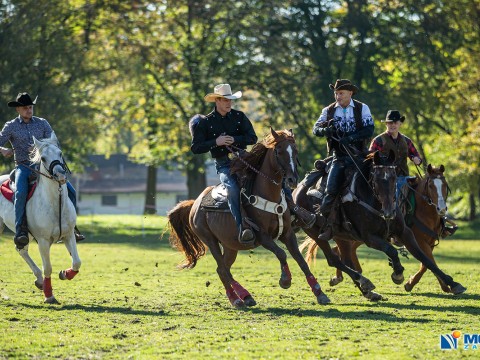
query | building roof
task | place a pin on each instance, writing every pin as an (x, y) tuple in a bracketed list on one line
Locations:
[(117, 174)]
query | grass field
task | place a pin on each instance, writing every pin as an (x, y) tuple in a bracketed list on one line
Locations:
[(129, 301)]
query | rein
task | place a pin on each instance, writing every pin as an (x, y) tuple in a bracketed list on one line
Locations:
[(231, 147)]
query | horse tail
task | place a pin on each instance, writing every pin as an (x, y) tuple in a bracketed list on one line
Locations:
[(312, 249), (182, 236)]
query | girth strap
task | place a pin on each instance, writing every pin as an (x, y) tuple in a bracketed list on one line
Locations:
[(270, 207)]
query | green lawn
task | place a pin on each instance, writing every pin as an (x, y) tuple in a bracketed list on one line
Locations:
[(130, 301)]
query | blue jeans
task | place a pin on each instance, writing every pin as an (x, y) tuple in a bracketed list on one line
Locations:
[(401, 180), (233, 189), (22, 173)]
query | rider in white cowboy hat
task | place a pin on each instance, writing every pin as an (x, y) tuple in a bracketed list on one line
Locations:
[(20, 132), (224, 127)]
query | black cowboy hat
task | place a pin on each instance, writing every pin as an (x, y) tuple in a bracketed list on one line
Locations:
[(23, 99), (394, 116), (343, 84)]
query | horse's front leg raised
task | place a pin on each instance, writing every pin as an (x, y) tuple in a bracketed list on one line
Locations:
[(44, 247), (71, 246), (35, 269), (290, 241)]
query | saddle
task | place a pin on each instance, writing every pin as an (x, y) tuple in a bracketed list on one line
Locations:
[(7, 188), (216, 200)]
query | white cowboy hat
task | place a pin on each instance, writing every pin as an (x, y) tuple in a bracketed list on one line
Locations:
[(222, 91)]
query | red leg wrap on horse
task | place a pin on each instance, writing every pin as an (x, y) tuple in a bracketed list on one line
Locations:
[(286, 272), (240, 290), (232, 296), (47, 287), (70, 273), (314, 285)]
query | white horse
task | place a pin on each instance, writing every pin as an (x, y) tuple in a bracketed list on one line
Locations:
[(50, 213)]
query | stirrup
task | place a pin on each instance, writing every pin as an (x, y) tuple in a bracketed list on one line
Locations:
[(78, 235), (21, 240), (246, 236)]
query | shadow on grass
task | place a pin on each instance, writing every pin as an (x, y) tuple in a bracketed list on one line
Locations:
[(326, 313), (149, 239), (98, 309)]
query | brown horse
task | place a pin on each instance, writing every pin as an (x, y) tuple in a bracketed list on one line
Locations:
[(373, 225), (192, 226), (430, 194)]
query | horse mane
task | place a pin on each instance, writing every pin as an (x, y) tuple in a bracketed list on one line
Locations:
[(35, 154), (257, 154)]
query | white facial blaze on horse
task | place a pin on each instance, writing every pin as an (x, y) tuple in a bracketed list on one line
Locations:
[(50, 214), (441, 204), (292, 162)]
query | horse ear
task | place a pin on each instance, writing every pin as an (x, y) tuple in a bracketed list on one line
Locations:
[(429, 168), (291, 132), (391, 157), (274, 133), (442, 169), (53, 137)]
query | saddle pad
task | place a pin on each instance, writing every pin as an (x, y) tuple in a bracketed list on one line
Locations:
[(210, 204), (8, 193)]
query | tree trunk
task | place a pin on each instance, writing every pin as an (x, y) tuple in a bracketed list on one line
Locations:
[(196, 179), (472, 207), (150, 194)]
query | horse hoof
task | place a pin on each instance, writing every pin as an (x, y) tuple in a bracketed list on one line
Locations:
[(39, 285), (458, 289), (408, 287), (285, 283), (249, 301), (51, 300), (335, 280), (323, 299), (373, 296), (238, 303), (62, 275), (365, 284), (398, 279)]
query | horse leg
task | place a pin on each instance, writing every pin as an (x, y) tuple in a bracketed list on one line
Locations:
[(290, 241), (378, 243), (237, 291), (71, 246), (347, 251), (286, 277), (412, 246), (35, 269), (224, 274), (338, 278), (361, 282), (44, 247)]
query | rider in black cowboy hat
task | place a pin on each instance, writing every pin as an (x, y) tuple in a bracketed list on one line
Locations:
[(20, 132)]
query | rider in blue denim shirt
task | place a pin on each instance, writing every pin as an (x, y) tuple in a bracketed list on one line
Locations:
[(20, 132)]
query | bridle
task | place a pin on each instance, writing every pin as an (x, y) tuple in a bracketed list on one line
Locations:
[(236, 150)]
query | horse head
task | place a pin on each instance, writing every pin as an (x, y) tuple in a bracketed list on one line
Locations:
[(47, 153), (383, 180), (286, 154), (436, 189)]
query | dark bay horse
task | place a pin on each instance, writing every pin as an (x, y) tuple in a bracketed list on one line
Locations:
[(193, 228), (430, 195), (374, 219)]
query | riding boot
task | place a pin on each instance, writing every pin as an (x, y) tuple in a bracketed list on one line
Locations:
[(303, 217), (447, 230), (245, 236), (326, 209), (78, 235), (21, 237)]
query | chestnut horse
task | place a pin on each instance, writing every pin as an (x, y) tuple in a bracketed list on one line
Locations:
[(372, 224), (430, 194), (193, 228)]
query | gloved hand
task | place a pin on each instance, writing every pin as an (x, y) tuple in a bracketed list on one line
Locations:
[(345, 140), (327, 131)]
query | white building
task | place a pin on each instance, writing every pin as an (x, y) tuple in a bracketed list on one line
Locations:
[(117, 186)]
